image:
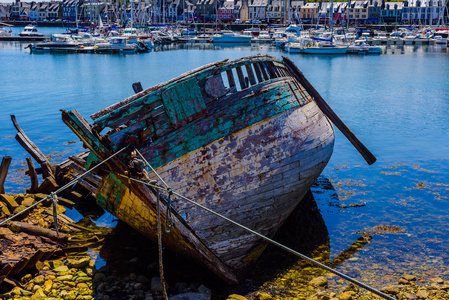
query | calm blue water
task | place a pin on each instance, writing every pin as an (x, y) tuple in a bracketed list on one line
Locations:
[(396, 103)]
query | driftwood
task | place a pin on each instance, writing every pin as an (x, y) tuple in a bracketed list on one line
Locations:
[(33, 175), (6, 161), (37, 231), (32, 149)]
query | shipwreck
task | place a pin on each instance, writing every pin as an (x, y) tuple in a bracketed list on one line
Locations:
[(244, 138)]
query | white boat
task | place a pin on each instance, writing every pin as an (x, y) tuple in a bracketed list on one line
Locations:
[(58, 43), (230, 37), (263, 37), (293, 47), (30, 30), (134, 37), (439, 40), (361, 47), (324, 48), (116, 44), (5, 32), (202, 38)]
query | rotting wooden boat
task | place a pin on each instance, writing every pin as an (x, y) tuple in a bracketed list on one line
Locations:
[(243, 138)]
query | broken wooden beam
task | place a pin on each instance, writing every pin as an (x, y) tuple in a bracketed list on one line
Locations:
[(37, 231), (32, 149), (4, 167), (33, 176)]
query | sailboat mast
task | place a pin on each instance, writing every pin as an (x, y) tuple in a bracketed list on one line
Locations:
[(331, 17)]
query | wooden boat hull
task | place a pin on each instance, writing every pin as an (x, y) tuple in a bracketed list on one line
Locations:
[(249, 152)]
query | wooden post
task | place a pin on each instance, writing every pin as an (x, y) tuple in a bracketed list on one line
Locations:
[(33, 175), (6, 161), (137, 87)]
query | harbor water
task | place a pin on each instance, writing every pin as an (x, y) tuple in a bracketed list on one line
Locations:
[(396, 103)]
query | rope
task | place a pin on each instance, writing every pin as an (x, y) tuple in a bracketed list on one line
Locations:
[(74, 181), (348, 278), (159, 244)]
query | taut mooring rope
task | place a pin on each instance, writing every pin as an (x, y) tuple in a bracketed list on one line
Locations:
[(348, 278)]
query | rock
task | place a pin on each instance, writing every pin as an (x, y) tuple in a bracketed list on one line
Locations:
[(64, 278), (61, 269), (98, 277), (47, 286), (4, 210), (83, 279), (133, 276), (313, 297), (82, 285), (71, 295), (422, 294), (411, 296), (390, 289), (19, 209), (138, 286), (54, 264), (25, 278), (445, 287), (28, 201), (181, 287), (190, 296), (205, 291), (78, 263), (39, 280), (346, 295), (236, 297), (142, 279), (319, 281), (437, 280), (156, 284), (409, 277), (404, 281), (101, 287), (351, 287), (263, 296), (9, 201)]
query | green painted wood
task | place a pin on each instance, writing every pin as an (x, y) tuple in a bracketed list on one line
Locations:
[(183, 100)]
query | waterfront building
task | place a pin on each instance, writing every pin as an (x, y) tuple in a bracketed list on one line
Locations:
[(5, 11), (309, 12), (423, 12), (358, 12), (294, 11), (392, 12), (374, 8), (229, 11), (257, 9), (275, 11), (20, 10)]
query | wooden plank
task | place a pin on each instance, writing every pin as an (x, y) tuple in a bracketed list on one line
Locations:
[(263, 71), (250, 72), (81, 170), (258, 72), (4, 167), (241, 78), (32, 149), (271, 69), (33, 176)]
